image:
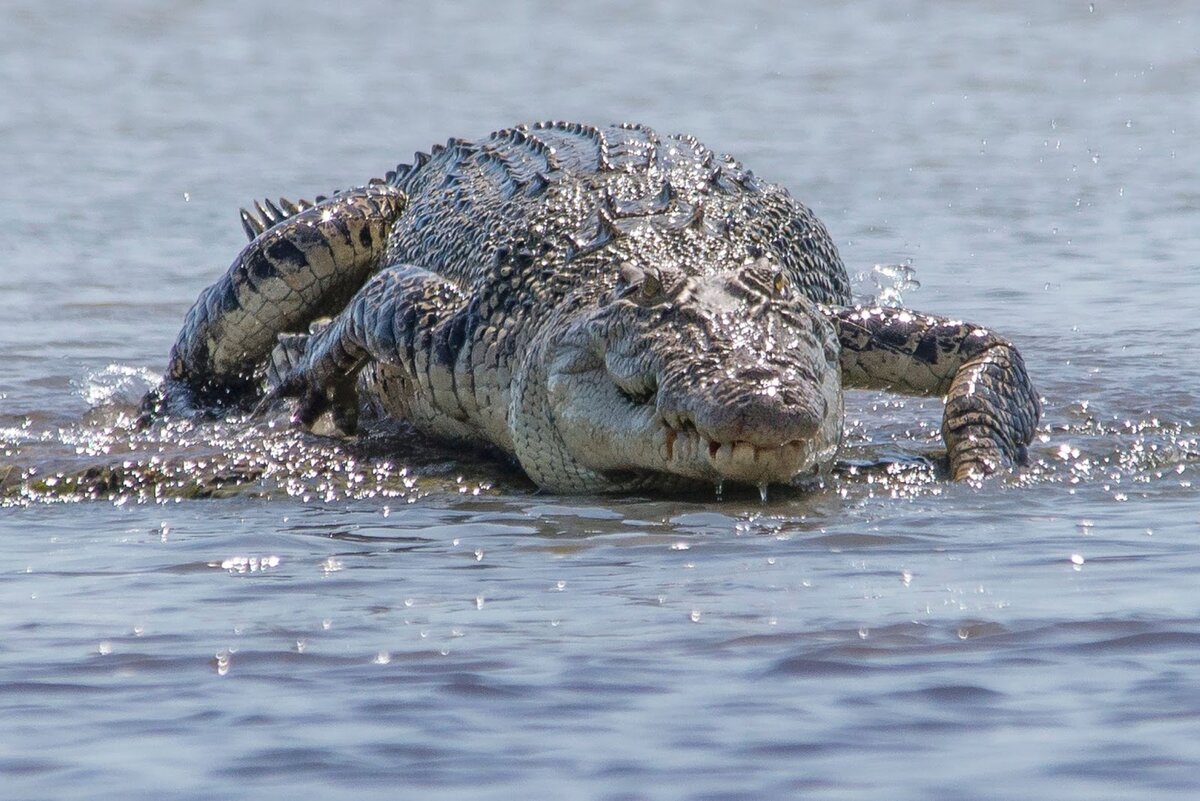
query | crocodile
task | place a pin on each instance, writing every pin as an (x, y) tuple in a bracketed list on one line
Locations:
[(611, 308)]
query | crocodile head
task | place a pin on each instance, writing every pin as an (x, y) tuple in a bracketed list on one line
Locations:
[(729, 377)]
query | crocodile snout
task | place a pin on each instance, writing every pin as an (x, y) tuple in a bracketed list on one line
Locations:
[(757, 407)]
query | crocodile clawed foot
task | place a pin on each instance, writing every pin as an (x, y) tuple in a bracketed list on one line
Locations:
[(313, 400), (978, 454), (339, 400), (991, 415)]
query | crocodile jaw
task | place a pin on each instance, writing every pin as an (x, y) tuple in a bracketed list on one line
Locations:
[(604, 432), (684, 450)]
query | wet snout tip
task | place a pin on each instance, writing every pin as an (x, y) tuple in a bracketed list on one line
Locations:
[(768, 418)]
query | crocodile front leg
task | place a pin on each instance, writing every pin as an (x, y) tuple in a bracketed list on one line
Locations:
[(406, 318), (305, 265), (991, 409)]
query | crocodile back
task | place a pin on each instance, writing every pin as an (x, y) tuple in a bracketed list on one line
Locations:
[(575, 198)]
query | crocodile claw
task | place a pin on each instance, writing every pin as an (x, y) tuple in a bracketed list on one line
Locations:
[(337, 398)]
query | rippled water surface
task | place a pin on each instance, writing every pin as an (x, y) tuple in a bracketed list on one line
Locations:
[(237, 609)]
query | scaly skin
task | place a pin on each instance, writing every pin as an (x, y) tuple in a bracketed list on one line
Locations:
[(612, 309)]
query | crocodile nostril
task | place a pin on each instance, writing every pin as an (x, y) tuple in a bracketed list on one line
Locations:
[(764, 419)]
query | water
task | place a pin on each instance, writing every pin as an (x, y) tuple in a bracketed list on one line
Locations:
[(242, 610)]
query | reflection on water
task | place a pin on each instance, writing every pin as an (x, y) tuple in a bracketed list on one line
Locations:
[(241, 608)]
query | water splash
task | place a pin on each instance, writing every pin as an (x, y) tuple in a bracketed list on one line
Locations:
[(892, 448), (890, 282), (116, 384), (105, 457)]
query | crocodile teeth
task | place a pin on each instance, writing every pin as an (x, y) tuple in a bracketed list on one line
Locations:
[(744, 459)]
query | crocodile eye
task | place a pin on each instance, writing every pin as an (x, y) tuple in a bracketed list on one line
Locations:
[(632, 280), (646, 287), (779, 285), (630, 275), (652, 287)]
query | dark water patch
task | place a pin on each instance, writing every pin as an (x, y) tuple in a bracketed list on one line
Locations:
[(1146, 642), (36, 692), (1152, 771), (477, 686), (791, 749), (808, 667), (300, 762), (953, 694), (29, 767)]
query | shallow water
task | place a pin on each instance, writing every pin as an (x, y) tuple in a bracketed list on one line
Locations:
[(240, 609)]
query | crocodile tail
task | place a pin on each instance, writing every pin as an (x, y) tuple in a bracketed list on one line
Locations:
[(267, 214), (305, 265)]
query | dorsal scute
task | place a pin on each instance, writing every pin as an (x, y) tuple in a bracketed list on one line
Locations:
[(267, 214)]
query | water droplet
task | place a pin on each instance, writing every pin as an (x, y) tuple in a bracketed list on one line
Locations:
[(382, 658), (720, 485), (906, 577), (479, 602), (762, 491), (1077, 559), (695, 616)]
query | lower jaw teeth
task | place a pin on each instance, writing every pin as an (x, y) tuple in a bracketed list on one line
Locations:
[(738, 460)]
